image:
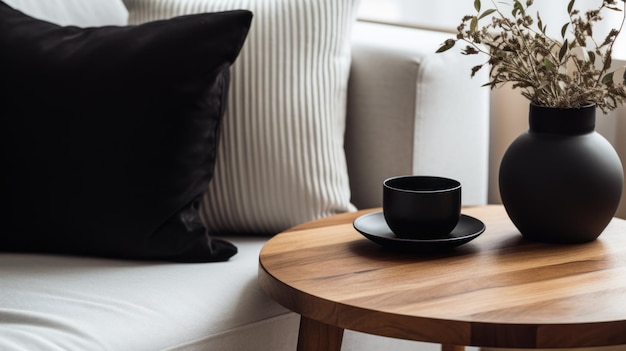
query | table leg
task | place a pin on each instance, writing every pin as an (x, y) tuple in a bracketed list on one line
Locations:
[(318, 336), (448, 347)]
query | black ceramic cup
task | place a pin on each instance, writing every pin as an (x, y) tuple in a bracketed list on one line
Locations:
[(421, 207)]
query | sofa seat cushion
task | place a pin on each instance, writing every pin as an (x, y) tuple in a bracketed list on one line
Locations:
[(71, 303)]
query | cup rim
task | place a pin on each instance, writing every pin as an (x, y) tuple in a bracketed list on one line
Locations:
[(454, 184)]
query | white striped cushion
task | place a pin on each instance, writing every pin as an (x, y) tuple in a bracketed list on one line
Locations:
[(281, 160)]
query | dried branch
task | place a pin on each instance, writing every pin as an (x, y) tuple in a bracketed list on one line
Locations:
[(569, 72)]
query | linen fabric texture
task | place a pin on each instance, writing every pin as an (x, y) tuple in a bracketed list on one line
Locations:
[(109, 134), (281, 161), (82, 13)]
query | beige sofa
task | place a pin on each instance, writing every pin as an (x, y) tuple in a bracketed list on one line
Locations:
[(408, 111)]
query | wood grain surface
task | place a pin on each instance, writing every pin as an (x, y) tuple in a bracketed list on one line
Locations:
[(496, 291)]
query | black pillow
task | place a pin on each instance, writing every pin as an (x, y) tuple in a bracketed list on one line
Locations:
[(109, 134)]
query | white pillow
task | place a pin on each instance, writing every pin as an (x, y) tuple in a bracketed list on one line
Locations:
[(281, 160)]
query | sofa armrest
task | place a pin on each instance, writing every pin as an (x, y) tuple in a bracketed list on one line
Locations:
[(412, 111)]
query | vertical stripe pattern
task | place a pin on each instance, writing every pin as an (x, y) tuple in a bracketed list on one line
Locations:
[(281, 160)]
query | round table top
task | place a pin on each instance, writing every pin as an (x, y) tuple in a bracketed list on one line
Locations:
[(499, 290)]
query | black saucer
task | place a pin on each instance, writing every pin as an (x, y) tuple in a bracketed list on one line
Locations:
[(374, 227)]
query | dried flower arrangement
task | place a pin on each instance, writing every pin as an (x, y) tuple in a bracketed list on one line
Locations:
[(569, 72)]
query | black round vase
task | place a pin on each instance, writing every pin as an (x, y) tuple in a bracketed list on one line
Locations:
[(561, 181)]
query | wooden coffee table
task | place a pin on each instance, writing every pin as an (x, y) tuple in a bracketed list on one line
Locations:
[(496, 291)]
